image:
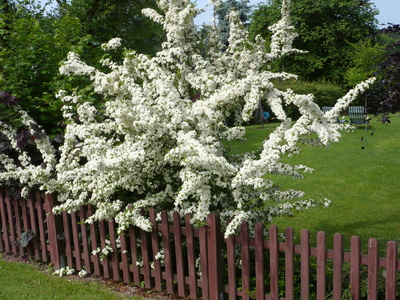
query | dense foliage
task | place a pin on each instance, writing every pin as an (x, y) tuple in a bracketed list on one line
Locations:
[(326, 29), (157, 140), (32, 47), (104, 20), (386, 92)]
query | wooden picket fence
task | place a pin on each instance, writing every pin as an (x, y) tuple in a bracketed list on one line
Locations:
[(199, 262)]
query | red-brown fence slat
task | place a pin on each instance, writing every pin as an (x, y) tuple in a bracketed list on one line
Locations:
[(180, 271), (245, 251), (75, 238), (167, 252), (11, 225), (259, 260), (214, 245), (3, 216), (134, 254), (373, 262), (18, 224), (337, 266), (85, 240), (191, 258), (103, 261), (67, 238), (204, 262), (114, 254), (2, 222), (33, 222), (274, 261), (93, 237), (321, 265), (42, 230), (289, 264), (305, 263), (156, 249), (52, 232), (391, 267), (231, 264), (146, 259), (355, 262)]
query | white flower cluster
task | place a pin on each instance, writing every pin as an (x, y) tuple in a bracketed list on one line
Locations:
[(158, 140), (112, 44), (103, 253), (65, 271), (82, 273)]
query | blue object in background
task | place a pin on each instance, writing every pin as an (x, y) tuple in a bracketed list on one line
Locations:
[(266, 115)]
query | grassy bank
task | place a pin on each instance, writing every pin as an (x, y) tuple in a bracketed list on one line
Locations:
[(28, 281)]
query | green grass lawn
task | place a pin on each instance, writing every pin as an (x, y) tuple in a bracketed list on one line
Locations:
[(26, 281), (360, 176)]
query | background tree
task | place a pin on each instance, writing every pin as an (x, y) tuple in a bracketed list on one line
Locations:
[(326, 29), (385, 93), (222, 13), (366, 55), (32, 46), (104, 20)]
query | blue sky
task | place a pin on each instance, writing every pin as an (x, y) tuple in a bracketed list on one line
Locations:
[(389, 11)]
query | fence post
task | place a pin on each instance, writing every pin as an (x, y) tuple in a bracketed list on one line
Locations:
[(3, 225), (52, 232), (215, 239)]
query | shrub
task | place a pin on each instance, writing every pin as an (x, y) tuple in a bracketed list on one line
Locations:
[(158, 140)]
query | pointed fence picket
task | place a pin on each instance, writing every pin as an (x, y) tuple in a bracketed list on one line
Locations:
[(198, 262)]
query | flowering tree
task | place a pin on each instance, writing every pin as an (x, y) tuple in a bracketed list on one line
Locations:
[(157, 141)]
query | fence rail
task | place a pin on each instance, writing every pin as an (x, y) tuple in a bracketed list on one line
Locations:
[(199, 262)]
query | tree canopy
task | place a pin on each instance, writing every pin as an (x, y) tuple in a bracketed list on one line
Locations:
[(104, 20), (385, 94), (326, 29)]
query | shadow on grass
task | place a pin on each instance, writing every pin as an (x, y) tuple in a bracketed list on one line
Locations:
[(358, 228)]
